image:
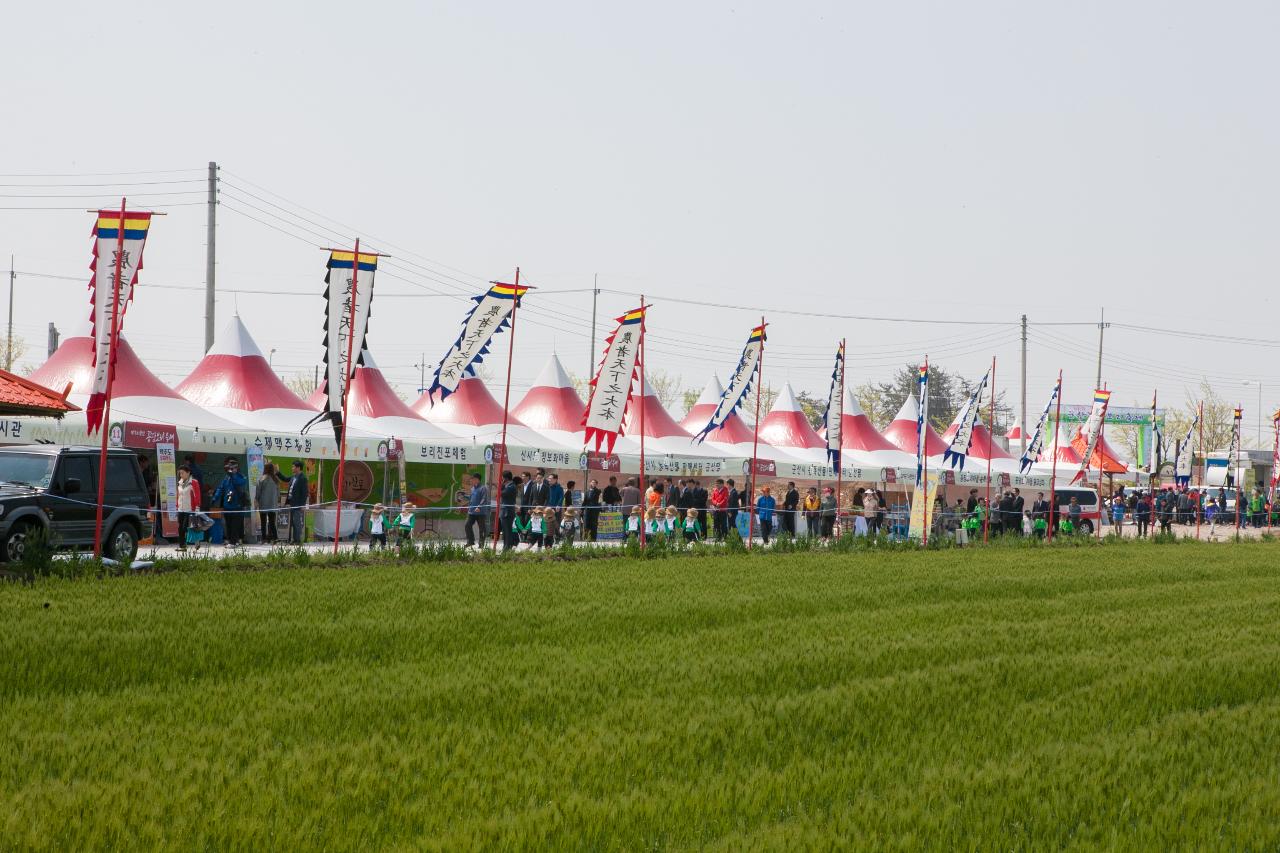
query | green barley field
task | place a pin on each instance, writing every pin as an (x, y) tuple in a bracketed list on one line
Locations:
[(1013, 698)]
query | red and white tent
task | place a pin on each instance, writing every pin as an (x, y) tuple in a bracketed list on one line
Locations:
[(373, 407), (901, 432), (858, 437), (471, 412), (1068, 458), (1104, 456), (1014, 434), (982, 448), (235, 382), (702, 409), (137, 393), (662, 435), (787, 427), (552, 406)]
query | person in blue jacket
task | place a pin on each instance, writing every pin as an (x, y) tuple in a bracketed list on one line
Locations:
[(232, 497), (765, 505)]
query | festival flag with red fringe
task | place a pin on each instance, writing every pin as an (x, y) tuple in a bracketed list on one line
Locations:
[(119, 237), (611, 386)]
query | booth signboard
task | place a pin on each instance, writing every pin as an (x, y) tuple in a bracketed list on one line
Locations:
[(610, 463), (167, 486), (609, 526), (764, 467), (145, 436), (923, 497)]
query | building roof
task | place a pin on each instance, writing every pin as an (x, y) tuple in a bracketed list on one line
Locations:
[(20, 396)]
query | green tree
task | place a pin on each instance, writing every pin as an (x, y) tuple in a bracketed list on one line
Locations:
[(948, 392)]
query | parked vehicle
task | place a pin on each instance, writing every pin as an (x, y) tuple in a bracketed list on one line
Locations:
[(1090, 511), (53, 491)]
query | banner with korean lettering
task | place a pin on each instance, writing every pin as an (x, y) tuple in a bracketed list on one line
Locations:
[(1182, 463), (348, 298), (491, 314), (958, 451), (739, 384), (1036, 446), (1092, 430), (117, 246), (611, 386), (833, 418), (922, 421), (1155, 454)]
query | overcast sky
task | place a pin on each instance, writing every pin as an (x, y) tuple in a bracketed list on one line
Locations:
[(927, 161)]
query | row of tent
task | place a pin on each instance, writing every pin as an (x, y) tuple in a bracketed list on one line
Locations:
[(233, 397)]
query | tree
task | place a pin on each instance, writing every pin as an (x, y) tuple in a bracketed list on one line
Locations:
[(813, 408), (947, 395), (665, 387), (19, 350), (1217, 422), (301, 383)]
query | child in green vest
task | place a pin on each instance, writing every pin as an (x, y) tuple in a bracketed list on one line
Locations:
[(404, 524), (1065, 525), (1040, 526), (379, 524), (692, 528)]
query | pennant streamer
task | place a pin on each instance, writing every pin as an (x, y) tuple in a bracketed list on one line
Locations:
[(346, 322), (491, 314), (1036, 446), (739, 384), (108, 256), (834, 416), (1182, 459), (1157, 440), (1092, 431), (966, 420), (611, 386), (922, 418), (1275, 457)]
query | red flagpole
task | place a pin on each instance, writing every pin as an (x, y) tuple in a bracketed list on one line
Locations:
[(922, 447), (644, 500), (1102, 428), (991, 426), (1200, 475), (346, 389), (506, 405), (104, 426), (1275, 451), (755, 439), (840, 446), (1235, 464), (1053, 475)]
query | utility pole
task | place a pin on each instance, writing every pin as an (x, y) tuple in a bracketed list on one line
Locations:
[(1023, 409), (1102, 324), (422, 373), (8, 356), (53, 339), (591, 358), (210, 256)]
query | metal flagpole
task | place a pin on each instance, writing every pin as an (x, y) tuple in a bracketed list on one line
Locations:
[(840, 446), (1275, 451), (1102, 426), (104, 426), (1053, 476), (755, 439), (1237, 428), (506, 405), (922, 447), (1200, 475), (991, 425), (348, 374), (644, 499)]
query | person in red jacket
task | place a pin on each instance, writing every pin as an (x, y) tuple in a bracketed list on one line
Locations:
[(720, 510)]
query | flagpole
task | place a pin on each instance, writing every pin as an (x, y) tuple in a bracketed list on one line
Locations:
[(348, 374), (644, 500), (991, 426), (922, 448), (840, 445), (1236, 442), (1102, 428), (506, 405), (1053, 475), (755, 438), (1275, 451), (104, 426), (1200, 476)]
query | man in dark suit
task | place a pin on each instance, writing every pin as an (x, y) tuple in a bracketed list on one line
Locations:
[(297, 500), (700, 502), (790, 507), (685, 500), (1040, 507), (1004, 520), (735, 501), (1018, 507), (508, 497)]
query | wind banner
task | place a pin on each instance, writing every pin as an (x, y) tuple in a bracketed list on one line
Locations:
[(739, 384), (611, 386), (922, 419), (958, 450), (491, 314), (348, 297), (1182, 459), (1275, 456), (1036, 446), (1236, 418), (834, 416), (110, 254), (1093, 430), (1156, 455)]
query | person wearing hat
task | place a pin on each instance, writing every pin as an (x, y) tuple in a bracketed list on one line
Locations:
[(232, 497), (379, 524)]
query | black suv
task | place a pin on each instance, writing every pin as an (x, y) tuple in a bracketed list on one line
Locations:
[(54, 489)]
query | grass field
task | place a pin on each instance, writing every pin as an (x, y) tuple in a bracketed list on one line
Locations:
[(1126, 696)]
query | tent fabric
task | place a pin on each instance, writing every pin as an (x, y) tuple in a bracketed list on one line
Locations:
[(472, 412), (137, 393), (1015, 433), (552, 404), (235, 382), (662, 435), (901, 432), (857, 433), (983, 445), (786, 425), (702, 409), (373, 407), (1104, 456)]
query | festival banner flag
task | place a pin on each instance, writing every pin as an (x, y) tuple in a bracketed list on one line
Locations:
[(922, 419), (490, 315), (611, 386), (834, 416), (348, 297), (1182, 456), (1156, 455), (1275, 456), (1093, 430), (110, 255), (965, 421), (739, 384), (1036, 446), (1236, 419)]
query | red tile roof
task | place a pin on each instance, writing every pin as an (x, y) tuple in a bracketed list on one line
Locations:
[(20, 396)]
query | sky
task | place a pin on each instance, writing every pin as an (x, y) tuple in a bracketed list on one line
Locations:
[(941, 167)]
